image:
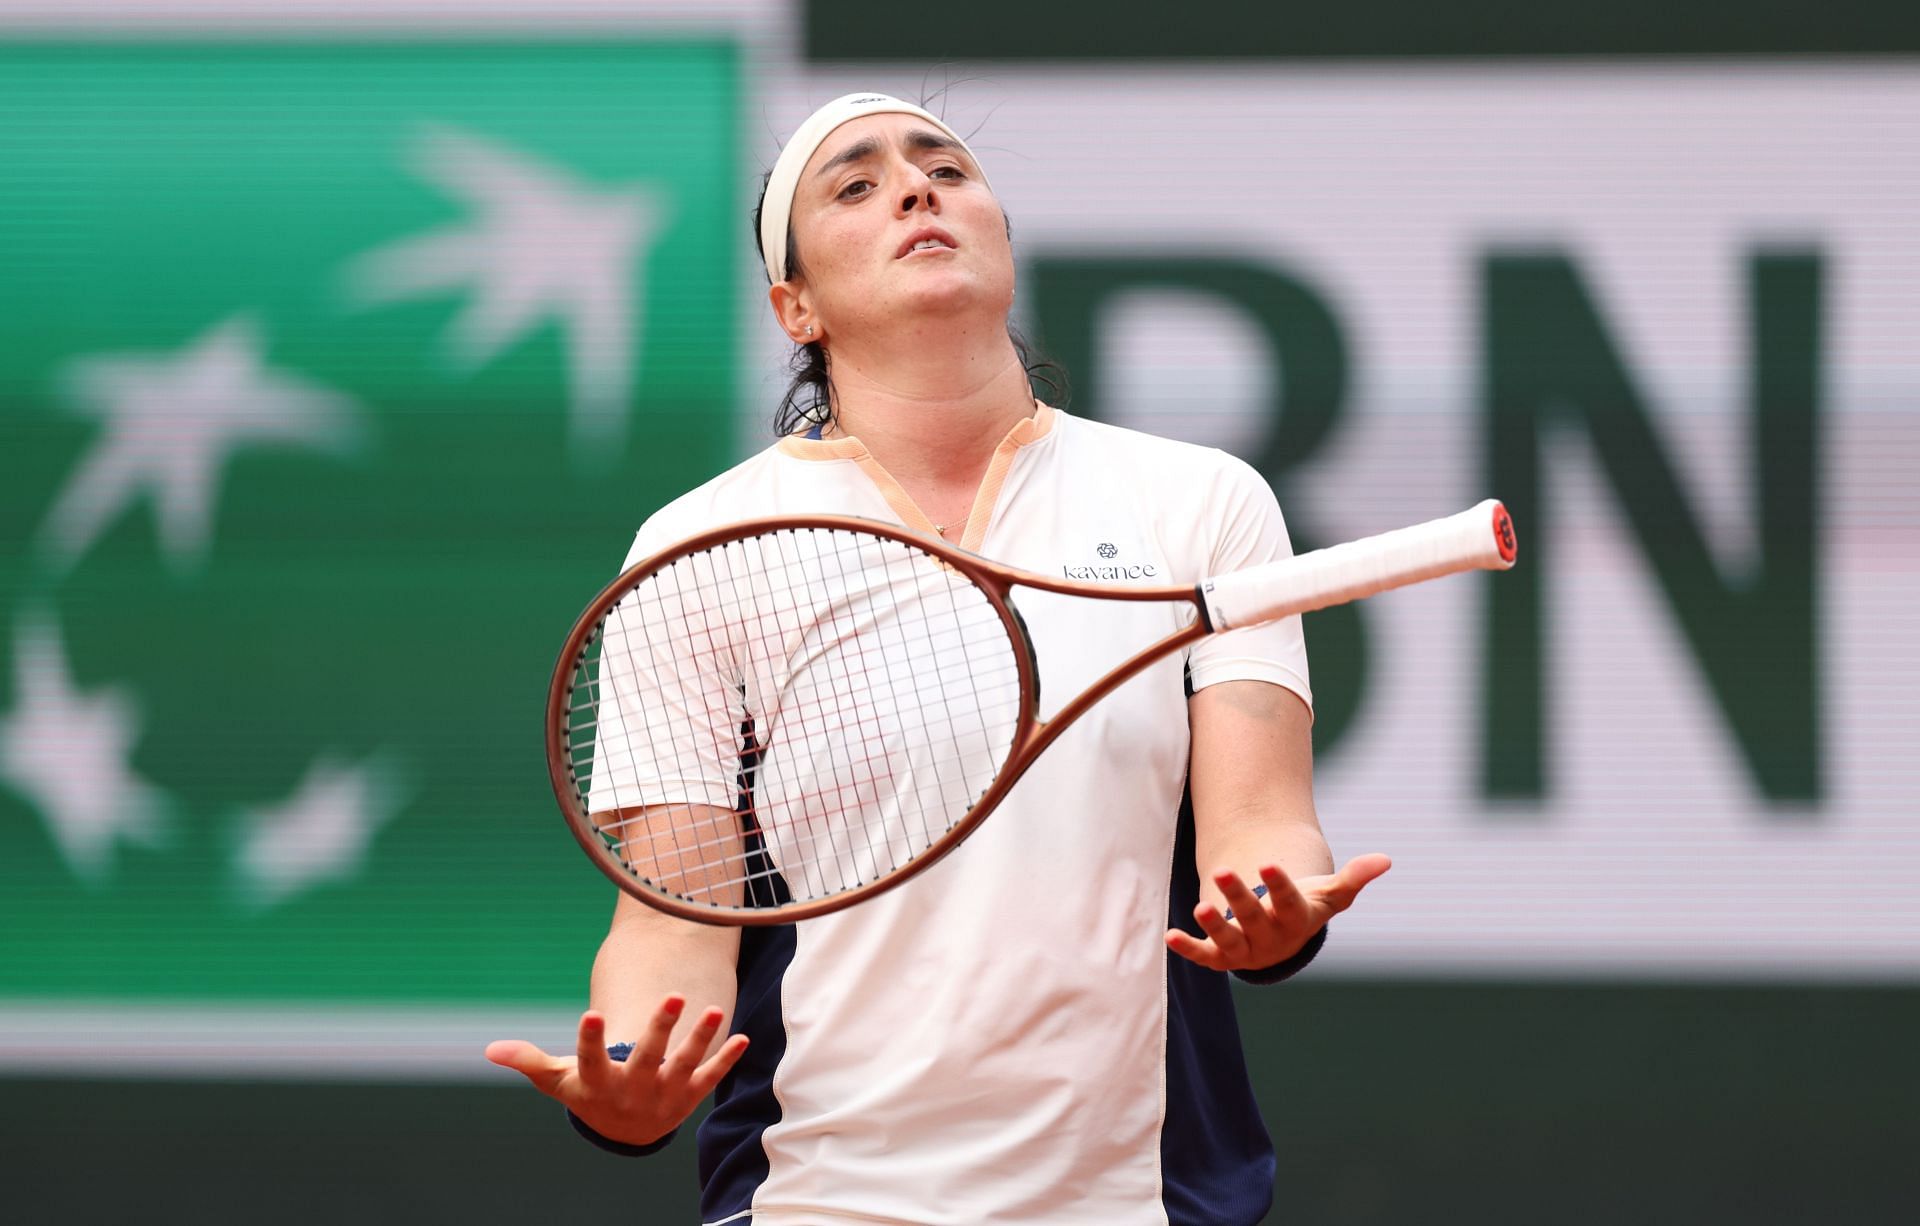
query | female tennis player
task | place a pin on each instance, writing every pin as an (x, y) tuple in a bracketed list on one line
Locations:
[(1037, 1029)]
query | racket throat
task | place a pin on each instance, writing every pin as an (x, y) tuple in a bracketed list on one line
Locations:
[(1203, 602)]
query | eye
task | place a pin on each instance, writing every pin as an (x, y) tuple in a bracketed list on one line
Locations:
[(855, 190), (954, 171)]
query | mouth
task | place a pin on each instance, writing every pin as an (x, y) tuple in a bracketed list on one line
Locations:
[(927, 238)]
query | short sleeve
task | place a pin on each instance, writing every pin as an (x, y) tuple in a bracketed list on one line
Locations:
[(1242, 521), (667, 695)]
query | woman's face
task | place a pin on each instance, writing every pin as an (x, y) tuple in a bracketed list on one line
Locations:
[(891, 216)]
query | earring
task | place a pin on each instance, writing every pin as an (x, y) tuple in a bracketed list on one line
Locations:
[(809, 329)]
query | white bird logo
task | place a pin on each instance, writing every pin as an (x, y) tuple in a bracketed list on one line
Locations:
[(172, 423), (69, 752), (322, 832), (540, 243)]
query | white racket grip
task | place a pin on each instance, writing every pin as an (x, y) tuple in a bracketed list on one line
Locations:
[(1480, 538)]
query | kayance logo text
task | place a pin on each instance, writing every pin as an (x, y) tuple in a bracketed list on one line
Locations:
[(1106, 549)]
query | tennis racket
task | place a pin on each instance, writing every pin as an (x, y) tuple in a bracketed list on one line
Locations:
[(774, 720)]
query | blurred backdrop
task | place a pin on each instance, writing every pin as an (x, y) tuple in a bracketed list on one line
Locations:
[(343, 346)]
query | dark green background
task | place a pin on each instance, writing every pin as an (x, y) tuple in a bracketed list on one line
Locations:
[(1388, 1103), (999, 30)]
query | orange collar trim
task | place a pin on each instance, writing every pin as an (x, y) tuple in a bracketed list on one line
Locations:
[(849, 447), (1026, 430)]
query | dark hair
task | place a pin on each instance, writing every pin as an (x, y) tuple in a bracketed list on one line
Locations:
[(809, 398)]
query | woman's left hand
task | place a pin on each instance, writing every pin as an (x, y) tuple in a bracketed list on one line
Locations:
[(1267, 930)]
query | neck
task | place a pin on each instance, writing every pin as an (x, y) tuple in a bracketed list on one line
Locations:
[(935, 413)]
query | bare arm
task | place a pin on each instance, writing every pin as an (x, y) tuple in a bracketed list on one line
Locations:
[(650, 967), (648, 955), (692, 850), (1252, 778)]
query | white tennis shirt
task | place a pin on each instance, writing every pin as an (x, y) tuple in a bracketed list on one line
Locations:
[(1005, 1038)]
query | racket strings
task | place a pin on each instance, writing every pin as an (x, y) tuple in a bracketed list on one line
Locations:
[(807, 709), (841, 792)]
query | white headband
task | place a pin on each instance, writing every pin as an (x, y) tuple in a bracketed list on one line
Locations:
[(777, 206)]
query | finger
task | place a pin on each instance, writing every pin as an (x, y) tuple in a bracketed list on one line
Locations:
[(596, 1068), (653, 1045), (1354, 877), (709, 1074), (1245, 904), (1370, 866), (692, 1048), (1282, 894), (1193, 949), (514, 1053), (544, 1071), (1223, 932)]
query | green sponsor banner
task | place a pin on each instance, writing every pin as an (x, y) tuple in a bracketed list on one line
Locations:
[(334, 379)]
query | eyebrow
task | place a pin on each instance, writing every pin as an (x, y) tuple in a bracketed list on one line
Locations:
[(869, 146)]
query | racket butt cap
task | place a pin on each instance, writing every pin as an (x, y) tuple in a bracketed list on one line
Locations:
[(1503, 535)]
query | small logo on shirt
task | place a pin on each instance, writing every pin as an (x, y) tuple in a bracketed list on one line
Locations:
[(1139, 570), (1109, 551)]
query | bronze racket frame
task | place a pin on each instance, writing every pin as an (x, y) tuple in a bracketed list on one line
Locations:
[(1030, 738)]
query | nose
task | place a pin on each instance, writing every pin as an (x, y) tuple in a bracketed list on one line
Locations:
[(916, 187)]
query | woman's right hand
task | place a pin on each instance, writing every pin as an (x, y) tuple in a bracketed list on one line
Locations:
[(642, 1099)]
